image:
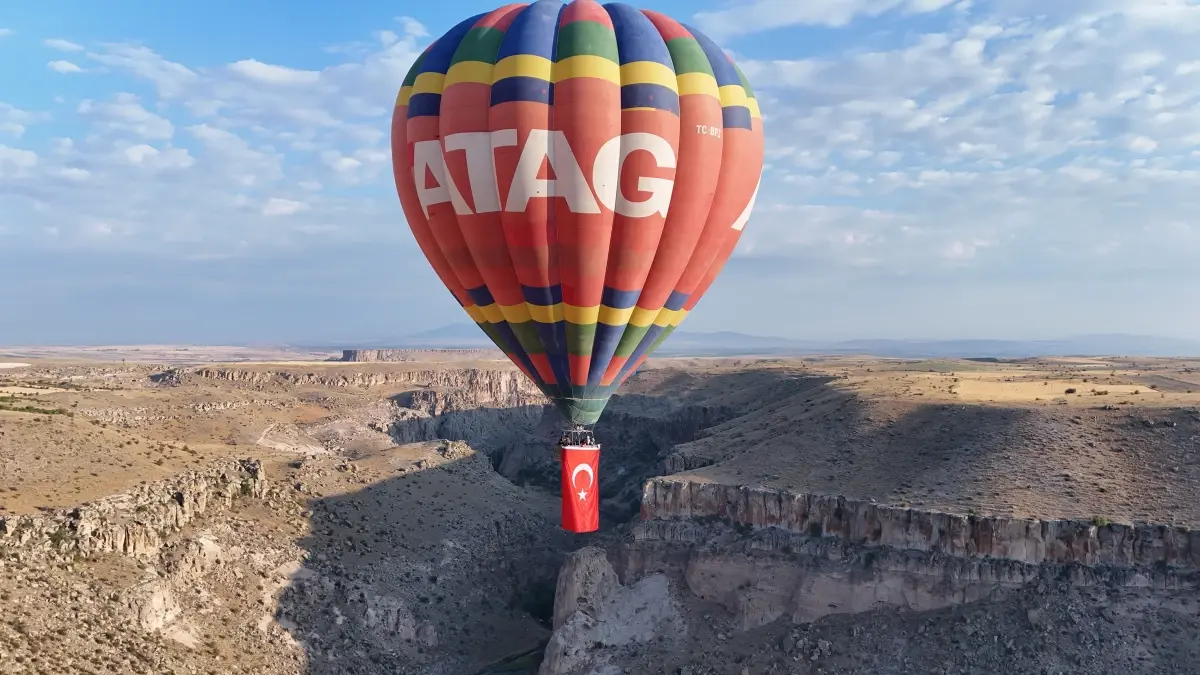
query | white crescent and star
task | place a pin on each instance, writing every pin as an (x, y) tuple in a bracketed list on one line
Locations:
[(583, 468)]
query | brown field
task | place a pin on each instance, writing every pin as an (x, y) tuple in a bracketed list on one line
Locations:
[(946, 434), (384, 549)]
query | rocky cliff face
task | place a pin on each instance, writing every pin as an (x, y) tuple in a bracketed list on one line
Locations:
[(490, 383), (769, 574), (765, 554), (593, 610), (873, 525), (138, 522), (409, 355)]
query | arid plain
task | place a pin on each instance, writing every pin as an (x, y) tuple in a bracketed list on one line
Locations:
[(175, 509)]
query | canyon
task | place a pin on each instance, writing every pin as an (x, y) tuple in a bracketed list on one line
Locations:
[(835, 515)]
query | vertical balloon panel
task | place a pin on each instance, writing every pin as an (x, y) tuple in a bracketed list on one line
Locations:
[(440, 198), (587, 112), (520, 117), (643, 165), (466, 139), (696, 177), (402, 172), (741, 167)]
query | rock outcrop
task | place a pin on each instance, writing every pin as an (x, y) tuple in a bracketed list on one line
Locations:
[(595, 616), (585, 580), (763, 575), (410, 355), (498, 384), (876, 525), (137, 522)]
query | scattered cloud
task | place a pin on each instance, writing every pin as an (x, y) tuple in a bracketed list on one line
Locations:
[(744, 17), (126, 115), (15, 163), (62, 45), (7, 32), (264, 73), (975, 144), (276, 206), (64, 67), (997, 141), (14, 121)]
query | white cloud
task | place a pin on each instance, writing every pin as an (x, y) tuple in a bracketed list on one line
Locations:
[(276, 206), (14, 121), (293, 105), (267, 74), (1008, 138), (999, 140), (62, 45), (125, 113), (963, 250), (150, 157), (744, 17), (7, 32), (16, 162), (1143, 145), (64, 67)]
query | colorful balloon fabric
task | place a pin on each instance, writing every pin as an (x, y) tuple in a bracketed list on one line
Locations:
[(577, 175)]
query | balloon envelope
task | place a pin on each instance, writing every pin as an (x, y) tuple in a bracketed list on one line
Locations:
[(577, 175)]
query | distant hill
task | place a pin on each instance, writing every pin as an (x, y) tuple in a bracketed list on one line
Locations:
[(727, 343)]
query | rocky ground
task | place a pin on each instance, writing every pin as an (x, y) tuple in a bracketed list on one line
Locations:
[(1048, 627), (374, 546)]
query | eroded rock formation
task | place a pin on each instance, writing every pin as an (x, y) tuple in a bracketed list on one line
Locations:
[(594, 614), (409, 355), (877, 525), (136, 522)]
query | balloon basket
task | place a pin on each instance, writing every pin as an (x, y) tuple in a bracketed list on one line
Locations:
[(579, 455)]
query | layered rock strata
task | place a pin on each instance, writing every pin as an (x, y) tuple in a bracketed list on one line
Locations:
[(505, 386), (137, 522), (875, 525), (409, 355)]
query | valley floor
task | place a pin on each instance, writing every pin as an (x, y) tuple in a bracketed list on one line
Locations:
[(407, 522)]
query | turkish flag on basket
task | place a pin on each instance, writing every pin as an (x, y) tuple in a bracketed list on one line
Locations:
[(580, 488)]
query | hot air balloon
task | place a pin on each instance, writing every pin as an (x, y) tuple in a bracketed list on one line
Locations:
[(577, 175)]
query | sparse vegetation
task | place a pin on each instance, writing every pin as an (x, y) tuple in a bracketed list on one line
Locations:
[(24, 405)]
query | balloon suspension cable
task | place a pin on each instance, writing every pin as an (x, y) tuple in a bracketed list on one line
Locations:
[(577, 435)]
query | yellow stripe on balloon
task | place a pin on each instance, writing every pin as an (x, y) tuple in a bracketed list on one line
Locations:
[(403, 97), (523, 65), (614, 317), (475, 313), (649, 72), (642, 317), (493, 313), (545, 313), (475, 72), (733, 95), (698, 83), (596, 67), (429, 83), (581, 316)]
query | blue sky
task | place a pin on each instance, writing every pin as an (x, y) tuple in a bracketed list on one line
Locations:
[(218, 172)]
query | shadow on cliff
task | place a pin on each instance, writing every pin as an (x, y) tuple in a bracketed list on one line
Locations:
[(931, 445), (451, 569), (831, 441), (638, 431), (443, 570)]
